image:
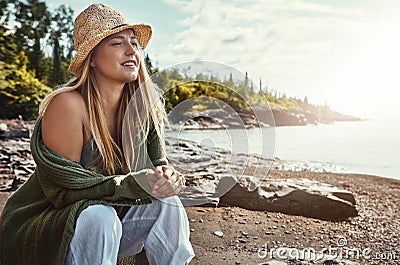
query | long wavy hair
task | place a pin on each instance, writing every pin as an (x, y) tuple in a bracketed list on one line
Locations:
[(141, 107)]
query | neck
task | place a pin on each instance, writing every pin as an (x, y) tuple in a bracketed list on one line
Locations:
[(111, 98), (110, 93)]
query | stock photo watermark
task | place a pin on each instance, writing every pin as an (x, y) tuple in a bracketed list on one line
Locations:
[(341, 251), (215, 96)]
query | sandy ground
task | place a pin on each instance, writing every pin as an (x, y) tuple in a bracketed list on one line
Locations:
[(375, 232)]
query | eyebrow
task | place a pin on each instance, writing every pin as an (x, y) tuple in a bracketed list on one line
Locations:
[(121, 37)]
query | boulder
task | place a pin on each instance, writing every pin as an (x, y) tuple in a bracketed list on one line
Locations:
[(290, 196)]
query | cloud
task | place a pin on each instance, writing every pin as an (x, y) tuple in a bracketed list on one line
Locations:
[(262, 37), (321, 50)]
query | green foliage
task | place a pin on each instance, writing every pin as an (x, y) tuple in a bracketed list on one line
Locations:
[(61, 32), (210, 92), (33, 21), (8, 47), (25, 70), (32, 24), (20, 91)]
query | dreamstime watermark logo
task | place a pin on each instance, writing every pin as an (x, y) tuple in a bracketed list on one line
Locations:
[(339, 252), (206, 92)]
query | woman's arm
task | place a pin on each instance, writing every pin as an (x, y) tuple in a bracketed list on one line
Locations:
[(165, 181), (63, 125)]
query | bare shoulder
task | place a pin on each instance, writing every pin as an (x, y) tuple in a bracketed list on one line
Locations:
[(62, 125), (67, 101)]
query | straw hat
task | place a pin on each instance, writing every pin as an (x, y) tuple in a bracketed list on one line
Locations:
[(97, 22)]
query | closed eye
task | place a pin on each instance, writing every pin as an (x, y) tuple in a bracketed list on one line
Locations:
[(135, 44)]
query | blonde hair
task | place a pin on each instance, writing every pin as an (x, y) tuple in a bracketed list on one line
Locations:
[(148, 111)]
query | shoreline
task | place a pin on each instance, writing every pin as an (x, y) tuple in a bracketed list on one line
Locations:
[(321, 167), (352, 160)]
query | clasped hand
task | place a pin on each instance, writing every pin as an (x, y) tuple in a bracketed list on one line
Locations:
[(165, 181)]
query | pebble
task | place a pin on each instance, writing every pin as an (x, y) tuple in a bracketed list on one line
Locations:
[(3, 127), (219, 233), (242, 241)]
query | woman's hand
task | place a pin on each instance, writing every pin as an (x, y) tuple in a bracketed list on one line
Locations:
[(165, 181)]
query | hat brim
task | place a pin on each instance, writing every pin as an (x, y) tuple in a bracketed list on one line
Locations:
[(142, 32)]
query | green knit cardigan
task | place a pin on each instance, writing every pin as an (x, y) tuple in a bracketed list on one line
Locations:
[(38, 220)]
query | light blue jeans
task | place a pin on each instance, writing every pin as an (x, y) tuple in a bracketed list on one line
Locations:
[(162, 228)]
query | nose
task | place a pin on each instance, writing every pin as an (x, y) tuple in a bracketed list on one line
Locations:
[(131, 49)]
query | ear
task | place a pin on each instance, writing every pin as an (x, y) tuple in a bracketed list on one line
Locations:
[(92, 62)]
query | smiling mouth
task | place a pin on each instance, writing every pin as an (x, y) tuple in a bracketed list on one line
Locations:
[(129, 64)]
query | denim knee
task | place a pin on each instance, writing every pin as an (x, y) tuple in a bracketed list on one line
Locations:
[(101, 218)]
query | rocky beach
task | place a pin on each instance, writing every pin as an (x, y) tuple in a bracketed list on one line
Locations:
[(246, 209)]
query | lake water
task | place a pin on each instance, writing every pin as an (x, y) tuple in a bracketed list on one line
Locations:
[(369, 147)]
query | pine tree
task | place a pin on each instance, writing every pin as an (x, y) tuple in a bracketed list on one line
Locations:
[(149, 65), (33, 21), (61, 29)]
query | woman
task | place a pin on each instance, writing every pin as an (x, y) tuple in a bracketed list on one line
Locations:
[(93, 195)]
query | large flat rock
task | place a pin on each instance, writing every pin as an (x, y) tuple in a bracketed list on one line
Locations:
[(291, 196)]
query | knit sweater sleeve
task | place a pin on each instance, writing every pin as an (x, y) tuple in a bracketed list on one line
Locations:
[(61, 191), (156, 148), (65, 182)]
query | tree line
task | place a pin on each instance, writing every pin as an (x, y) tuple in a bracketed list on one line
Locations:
[(238, 94), (36, 47), (35, 50)]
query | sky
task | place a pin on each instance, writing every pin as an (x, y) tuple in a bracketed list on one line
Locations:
[(345, 54)]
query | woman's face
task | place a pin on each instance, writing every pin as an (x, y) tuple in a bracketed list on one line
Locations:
[(116, 59)]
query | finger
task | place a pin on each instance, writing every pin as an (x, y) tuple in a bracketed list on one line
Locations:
[(166, 188), (159, 171), (151, 177), (165, 191), (159, 183), (168, 172), (174, 177), (178, 189), (182, 179)]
